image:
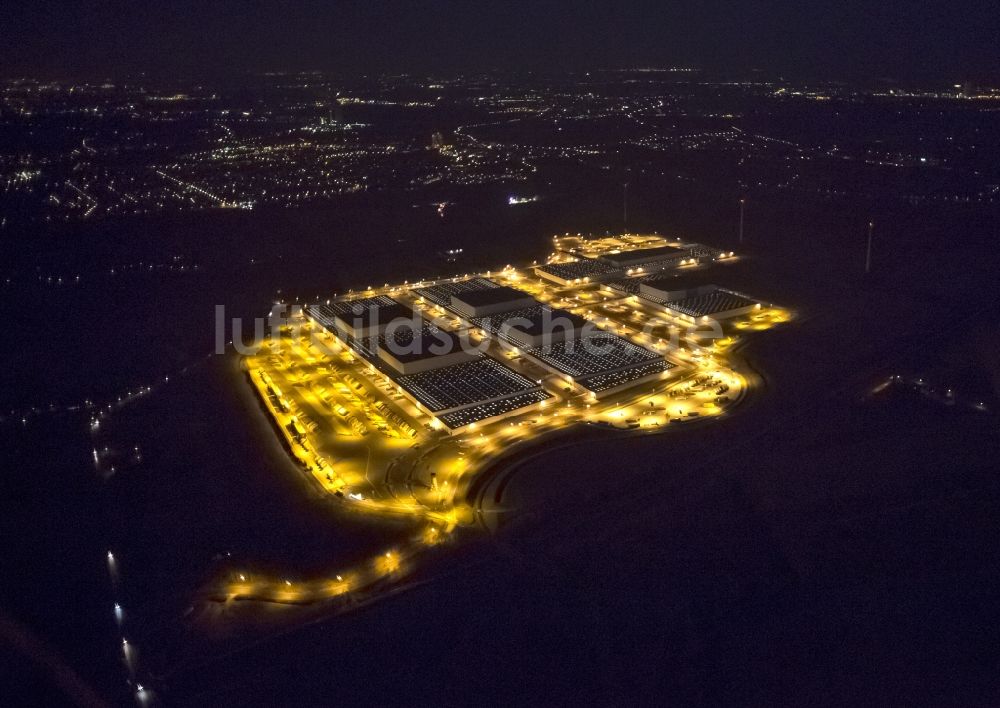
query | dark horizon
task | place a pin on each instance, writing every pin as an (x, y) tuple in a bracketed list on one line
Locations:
[(864, 40)]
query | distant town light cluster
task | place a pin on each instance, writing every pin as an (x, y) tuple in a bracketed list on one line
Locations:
[(141, 148)]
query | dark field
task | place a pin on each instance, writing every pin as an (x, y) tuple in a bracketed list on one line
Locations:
[(819, 547)]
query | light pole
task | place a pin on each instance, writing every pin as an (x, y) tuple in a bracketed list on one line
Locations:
[(868, 253), (742, 202)]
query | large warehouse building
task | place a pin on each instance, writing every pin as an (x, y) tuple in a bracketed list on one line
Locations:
[(365, 317), (533, 326), (585, 269), (690, 299), (718, 304), (489, 301), (625, 259), (411, 351), (667, 289)]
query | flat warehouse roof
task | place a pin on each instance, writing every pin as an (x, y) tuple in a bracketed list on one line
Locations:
[(577, 269), (408, 345), (555, 319), (340, 307), (601, 353), (442, 293), (343, 310), (363, 316), (462, 385), (642, 254), (686, 281), (711, 303), (652, 252), (533, 321), (491, 296), (678, 282), (629, 285)]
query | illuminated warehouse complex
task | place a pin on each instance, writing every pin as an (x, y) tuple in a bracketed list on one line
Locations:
[(448, 370)]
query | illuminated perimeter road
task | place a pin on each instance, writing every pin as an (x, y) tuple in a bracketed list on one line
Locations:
[(373, 446)]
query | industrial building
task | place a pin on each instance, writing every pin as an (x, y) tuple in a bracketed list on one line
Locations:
[(466, 385), (624, 259), (442, 293), (719, 304), (674, 288), (411, 351), (602, 363), (533, 326), (471, 392), (364, 317), (663, 258), (489, 301), (589, 269), (691, 298)]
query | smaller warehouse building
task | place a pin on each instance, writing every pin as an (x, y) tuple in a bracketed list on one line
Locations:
[(371, 319), (489, 301), (667, 289), (718, 304), (535, 326), (410, 351), (540, 326), (690, 299), (584, 270), (642, 255)]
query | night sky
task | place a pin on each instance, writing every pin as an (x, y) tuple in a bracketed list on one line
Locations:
[(953, 41)]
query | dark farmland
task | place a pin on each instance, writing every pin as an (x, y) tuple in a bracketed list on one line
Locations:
[(855, 562)]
